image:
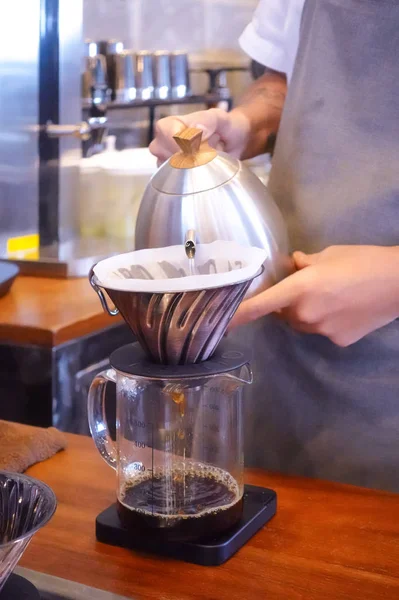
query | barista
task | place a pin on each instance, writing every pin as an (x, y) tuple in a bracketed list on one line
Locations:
[(326, 401)]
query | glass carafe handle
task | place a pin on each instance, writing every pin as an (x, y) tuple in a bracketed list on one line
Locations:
[(97, 419)]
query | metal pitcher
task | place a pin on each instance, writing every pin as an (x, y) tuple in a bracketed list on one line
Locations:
[(217, 196)]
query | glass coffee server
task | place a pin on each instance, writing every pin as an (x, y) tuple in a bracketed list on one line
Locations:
[(179, 451)]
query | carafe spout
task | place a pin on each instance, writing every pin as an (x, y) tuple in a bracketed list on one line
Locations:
[(245, 377)]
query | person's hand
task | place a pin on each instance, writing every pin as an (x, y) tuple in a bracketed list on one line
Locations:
[(343, 293), (224, 131)]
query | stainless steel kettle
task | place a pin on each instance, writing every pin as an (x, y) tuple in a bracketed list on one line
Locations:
[(218, 197)]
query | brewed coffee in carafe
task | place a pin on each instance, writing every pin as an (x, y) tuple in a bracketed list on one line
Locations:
[(210, 502)]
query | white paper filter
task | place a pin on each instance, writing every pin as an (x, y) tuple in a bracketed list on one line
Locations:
[(167, 270)]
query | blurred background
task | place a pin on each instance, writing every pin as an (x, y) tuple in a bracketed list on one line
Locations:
[(207, 29), (83, 83)]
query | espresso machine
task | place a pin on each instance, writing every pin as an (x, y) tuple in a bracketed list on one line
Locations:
[(179, 448)]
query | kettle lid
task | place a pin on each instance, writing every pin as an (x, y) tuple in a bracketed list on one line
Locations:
[(196, 168)]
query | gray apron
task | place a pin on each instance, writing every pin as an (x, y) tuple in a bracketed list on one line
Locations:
[(317, 409)]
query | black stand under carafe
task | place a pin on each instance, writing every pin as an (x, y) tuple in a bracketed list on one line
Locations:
[(259, 507)]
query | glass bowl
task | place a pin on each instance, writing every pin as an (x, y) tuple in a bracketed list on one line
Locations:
[(26, 505)]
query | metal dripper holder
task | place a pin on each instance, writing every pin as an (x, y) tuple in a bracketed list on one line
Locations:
[(178, 312)]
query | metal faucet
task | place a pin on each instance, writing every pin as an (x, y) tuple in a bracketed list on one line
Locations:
[(92, 131)]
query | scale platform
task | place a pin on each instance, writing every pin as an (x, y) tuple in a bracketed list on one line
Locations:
[(260, 505)]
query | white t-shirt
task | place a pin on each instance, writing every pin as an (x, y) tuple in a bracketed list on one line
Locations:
[(272, 37)]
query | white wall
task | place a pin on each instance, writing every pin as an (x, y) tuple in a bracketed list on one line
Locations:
[(192, 25)]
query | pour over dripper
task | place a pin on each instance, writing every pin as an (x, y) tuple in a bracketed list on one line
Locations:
[(178, 318), (26, 505)]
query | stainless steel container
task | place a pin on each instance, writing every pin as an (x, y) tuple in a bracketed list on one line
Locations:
[(95, 80), (218, 197), (162, 80), (180, 75), (125, 76), (110, 49), (144, 75)]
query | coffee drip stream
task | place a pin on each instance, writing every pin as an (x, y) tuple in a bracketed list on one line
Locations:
[(190, 247), (174, 392)]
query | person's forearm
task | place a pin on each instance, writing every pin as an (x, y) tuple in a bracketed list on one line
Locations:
[(262, 106)]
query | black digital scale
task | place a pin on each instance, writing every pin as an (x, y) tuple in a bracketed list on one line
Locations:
[(259, 507)]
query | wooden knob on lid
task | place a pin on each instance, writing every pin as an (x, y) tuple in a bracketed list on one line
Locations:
[(194, 152)]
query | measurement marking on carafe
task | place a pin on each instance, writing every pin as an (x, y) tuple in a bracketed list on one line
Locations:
[(138, 444), (138, 467)]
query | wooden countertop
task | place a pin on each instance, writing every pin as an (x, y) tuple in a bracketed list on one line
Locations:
[(327, 542), (48, 312)]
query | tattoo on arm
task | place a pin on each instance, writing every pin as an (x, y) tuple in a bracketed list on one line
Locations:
[(267, 93), (266, 89), (262, 104)]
